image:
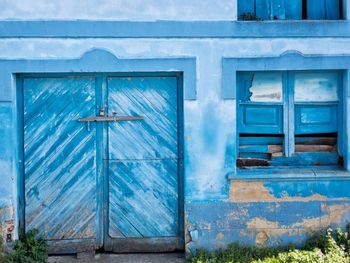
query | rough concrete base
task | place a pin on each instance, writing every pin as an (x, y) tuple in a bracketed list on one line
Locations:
[(125, 258)]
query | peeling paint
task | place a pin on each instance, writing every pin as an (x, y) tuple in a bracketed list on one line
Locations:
[(334, 214), (239, 213), (7, 224), (189, 227), (266, 87), (319, 87), (261, 223), (246, 191), (261, 238), (219, 236), (264, 229)]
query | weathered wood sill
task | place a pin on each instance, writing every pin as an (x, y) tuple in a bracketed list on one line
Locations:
[(309, 173)]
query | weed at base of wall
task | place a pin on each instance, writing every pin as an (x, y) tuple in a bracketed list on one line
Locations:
[(331, 246), (28, 249)]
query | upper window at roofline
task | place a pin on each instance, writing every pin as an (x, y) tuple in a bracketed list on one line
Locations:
[(258, 10)]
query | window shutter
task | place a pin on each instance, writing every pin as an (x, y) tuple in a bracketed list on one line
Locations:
[(332, 9), (316, 10), (293, 9)]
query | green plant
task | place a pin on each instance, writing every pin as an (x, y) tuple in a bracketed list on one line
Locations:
[(331, 246), (2, 251), (335, 252), (297, 256), (28, 249), (235, 253)]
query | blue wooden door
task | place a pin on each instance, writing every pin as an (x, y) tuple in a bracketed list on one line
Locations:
[(143, 156), (60, 161), (66, 157)]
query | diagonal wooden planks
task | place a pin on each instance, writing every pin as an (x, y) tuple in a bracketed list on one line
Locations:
[(60, 179), (143, 158)]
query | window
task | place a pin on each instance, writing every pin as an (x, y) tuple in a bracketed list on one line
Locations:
[(290, 9), (289, 118)]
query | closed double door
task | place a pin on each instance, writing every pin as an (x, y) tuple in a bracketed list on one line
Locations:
[(102, 162)]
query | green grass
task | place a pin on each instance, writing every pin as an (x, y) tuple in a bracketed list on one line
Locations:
[(331, 246)]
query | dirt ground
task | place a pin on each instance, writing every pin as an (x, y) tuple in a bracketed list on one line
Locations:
[(125, 258)]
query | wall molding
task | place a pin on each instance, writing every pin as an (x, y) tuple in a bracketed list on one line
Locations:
[(172, 29), (98, 60), (288, 60)]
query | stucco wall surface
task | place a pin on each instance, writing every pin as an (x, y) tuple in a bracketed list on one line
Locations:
[(209, 119), (214, 206), (119, 10)]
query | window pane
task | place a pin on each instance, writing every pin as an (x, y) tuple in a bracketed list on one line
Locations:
[(266, 87), (318, 86)]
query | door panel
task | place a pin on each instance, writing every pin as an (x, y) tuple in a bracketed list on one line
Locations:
[(156, 100), (59, 154), (143, 162), (143, 200)]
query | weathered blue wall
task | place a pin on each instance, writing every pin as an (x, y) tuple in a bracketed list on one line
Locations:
[(220, 210), (270, 212), (119, 10), (8, 181)]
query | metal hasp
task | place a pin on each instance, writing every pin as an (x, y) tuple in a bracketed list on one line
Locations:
[(111, 119)]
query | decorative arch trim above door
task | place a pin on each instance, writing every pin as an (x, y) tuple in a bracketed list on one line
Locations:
[(179, 67)]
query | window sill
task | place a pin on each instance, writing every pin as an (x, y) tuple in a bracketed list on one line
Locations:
[(293, 28), (300, 21), (292, 173)]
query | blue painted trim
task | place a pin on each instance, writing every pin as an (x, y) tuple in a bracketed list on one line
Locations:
[(291, 115), (172, 29), (346, 115), (346, 9), (291, 174), (230, 66), (99, 80), (229, 79), (18, 153), (290, 60), (341, 113), (286, 105), (99, 60), (181, 151)]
